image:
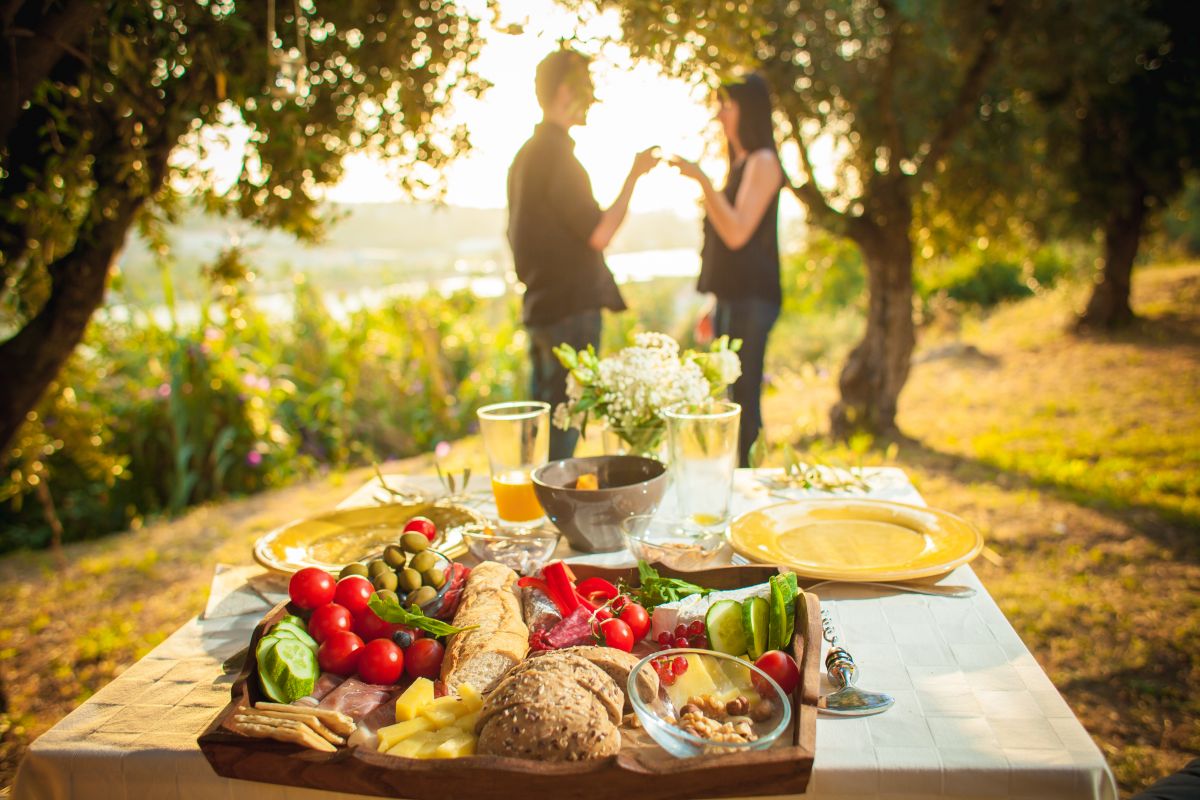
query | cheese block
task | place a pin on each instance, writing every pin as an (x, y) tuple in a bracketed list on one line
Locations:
[(415, 697)]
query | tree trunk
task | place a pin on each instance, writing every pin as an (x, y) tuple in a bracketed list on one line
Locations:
[(876, 369), (1109, 308)]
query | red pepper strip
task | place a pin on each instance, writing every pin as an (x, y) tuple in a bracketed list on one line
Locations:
[(560, 586), (596, 587), (587, 603), (536, 583)]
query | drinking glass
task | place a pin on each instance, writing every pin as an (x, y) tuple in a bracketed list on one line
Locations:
[(516, 437), (703, 439)]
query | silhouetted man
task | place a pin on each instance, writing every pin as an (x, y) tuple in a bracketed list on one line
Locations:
[(558, 233)]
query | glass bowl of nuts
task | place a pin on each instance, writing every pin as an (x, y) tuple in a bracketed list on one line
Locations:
[(707, 703)]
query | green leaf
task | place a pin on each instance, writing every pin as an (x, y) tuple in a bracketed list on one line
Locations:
[(390, 610)]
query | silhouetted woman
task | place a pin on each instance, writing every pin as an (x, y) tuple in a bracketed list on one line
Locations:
[(740, 259)]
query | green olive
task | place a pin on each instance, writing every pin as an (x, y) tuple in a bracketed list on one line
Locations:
[(422, 596), (395, 556), (409, 579), (424, 561), (353, 568), (414, 542), (434, 577), (385, 581), (376, 568), (388, 595)]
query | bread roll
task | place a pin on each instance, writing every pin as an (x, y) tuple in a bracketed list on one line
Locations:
[(480, 657)]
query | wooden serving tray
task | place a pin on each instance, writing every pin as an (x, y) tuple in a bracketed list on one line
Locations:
[(645, 773)]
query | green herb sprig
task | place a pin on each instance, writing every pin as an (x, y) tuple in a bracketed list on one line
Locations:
[(654, 589), (390, 610)]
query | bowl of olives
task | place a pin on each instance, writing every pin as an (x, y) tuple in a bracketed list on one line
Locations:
[(411, 570)]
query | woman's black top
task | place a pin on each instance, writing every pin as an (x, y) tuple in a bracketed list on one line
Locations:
[(753, 269)]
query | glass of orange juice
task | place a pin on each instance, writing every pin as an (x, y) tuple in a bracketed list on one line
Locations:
[(516, 437)]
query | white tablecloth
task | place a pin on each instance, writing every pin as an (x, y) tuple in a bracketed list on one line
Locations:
[(975, 715)]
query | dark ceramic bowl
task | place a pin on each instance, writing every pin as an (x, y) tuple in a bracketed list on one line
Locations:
[(630, 486)]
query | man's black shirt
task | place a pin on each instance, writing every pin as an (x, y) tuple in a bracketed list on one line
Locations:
[(551, 216)]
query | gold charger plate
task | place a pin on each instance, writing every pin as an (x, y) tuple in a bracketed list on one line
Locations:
[(330, 541), (856, 539)]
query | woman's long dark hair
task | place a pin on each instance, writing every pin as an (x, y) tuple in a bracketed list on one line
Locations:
[(755, 130)]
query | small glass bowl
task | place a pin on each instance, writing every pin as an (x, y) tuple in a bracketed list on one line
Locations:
[(674, 542), (659, 716), (523, 550)]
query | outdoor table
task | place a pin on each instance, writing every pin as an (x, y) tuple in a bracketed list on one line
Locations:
[(975, 716)]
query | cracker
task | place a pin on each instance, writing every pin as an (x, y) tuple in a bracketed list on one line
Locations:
[(282, 730), (336, 721), (318, 727)]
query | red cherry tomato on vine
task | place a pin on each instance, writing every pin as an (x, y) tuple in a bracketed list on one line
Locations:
[(381, 661), (340, 653), (423, 526), (637, 619), (353, 592), (423, 659), (616, 634), (782, 669), (311, 587), (328, 620)]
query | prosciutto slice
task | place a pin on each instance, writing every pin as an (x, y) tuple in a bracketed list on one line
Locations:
[(356, 699), (384, 714)]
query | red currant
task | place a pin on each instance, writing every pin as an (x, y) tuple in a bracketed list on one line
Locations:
[(665, 638), (680, 631), (667, 677), (679, 665), (682, 642), (696, 628)]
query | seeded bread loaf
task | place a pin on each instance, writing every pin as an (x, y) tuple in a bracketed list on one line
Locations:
[(554, 708), (499, 640)]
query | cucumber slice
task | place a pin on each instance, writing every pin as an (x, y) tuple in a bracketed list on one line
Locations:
[(755, 612), (790, 590), (287, 667), (723, 623), (299, 632), (783, 615)]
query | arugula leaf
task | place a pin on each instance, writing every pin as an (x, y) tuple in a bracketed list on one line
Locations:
[(390, 610), (656, 590)]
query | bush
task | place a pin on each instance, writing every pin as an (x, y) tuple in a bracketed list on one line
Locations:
[(983, 278)]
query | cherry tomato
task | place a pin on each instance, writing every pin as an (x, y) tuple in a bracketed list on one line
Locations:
[(311, 587), (423, 659), (422, 525), (340, 653), (616, 634), (353, 592), (637, 619), (381, 661), (782, 669), (328, 620)]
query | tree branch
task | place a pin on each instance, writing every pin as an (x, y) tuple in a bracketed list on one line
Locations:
[(28, 60), (1004, 12), (807, 191)]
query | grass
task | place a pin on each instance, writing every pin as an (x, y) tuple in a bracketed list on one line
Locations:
[(1079, 458)]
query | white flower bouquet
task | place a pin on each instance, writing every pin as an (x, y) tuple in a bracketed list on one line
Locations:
[(629, 390)]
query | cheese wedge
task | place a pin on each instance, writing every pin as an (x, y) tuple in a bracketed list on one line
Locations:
[(415, 697)]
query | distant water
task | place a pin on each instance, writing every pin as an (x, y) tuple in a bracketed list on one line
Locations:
[(642, 265)]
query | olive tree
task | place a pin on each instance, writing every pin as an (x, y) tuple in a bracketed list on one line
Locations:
[(891, 87), (103, 106)]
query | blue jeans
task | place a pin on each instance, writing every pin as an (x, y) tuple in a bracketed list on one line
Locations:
[(749, 319), (548, 378)]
